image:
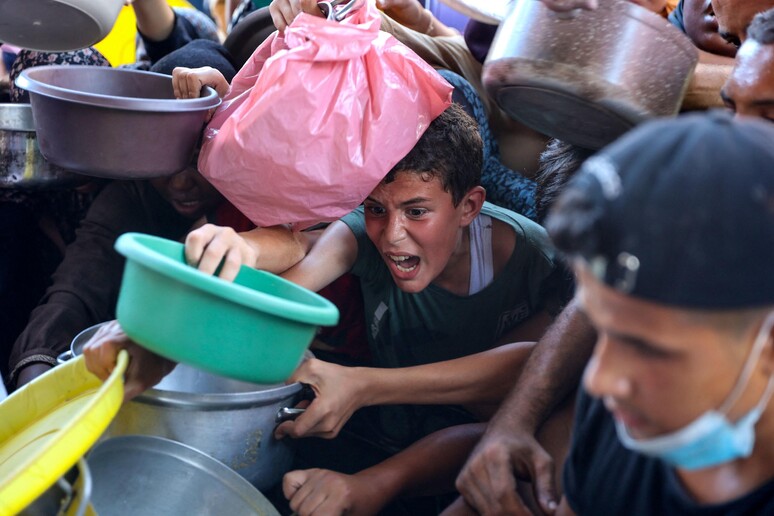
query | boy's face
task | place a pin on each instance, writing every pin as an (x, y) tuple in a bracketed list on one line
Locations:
[(189, 193), (658, 368), (734, 16), (416, 227)]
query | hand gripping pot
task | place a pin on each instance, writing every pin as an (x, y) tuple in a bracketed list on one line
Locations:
[(255, 329), (315, 119)]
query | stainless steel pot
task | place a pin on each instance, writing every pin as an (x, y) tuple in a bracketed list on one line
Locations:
[(229, 420), (150, 475), (588, 77), (114, 123), (71, 494), (22, 166)]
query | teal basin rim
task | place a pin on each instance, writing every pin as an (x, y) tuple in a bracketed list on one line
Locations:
[(325, 313)]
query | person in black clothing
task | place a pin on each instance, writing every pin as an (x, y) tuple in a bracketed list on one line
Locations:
[(673, 257)]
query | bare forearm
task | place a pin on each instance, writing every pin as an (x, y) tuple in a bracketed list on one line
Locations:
[(708, 79), (427, 467), (155, 18), (480, 378), (552, 371), (278, 248)]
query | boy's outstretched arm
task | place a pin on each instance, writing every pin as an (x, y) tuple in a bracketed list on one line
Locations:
[(482, 378), (274, 249), (426, 467)]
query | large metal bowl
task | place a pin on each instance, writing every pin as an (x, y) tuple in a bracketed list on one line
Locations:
[(114, 123), (149, 475), (22, 166)]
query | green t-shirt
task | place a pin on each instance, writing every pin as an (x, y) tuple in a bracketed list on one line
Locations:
[(407, 329)]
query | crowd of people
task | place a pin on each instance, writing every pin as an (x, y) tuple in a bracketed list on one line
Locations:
[(528, 326)]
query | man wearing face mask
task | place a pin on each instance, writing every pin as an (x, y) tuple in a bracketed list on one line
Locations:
[(674, 257)]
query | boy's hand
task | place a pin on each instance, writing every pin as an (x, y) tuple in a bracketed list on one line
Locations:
[(488, 479), (324, 492), (283, 12), (409, 13), (187, 83), (145, 369), (338, 390), (209, 246)]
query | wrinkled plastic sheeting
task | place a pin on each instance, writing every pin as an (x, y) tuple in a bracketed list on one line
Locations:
[(315, 119)]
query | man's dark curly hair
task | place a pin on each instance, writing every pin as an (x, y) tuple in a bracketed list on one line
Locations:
[(558, 163), (451, 150), (762, 28)]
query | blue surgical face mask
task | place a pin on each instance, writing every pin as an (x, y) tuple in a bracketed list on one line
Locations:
[(711, 439)]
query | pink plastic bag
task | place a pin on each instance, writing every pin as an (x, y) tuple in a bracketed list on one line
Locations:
[(315, 120)]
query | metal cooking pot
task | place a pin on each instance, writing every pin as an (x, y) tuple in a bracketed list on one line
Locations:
[(21, 163), (57, 25), (71, 494), (114, 123), (149, 475), (587, 77), (229, 420)]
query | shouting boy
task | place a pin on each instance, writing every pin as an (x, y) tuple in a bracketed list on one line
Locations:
[(446, 277)]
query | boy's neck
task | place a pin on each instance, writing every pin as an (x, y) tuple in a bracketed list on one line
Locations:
[(456, 275)]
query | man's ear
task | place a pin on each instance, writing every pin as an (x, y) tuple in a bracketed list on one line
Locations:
[(471, 204), (767, 357)]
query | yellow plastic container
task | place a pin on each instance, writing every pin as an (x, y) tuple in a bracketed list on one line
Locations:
[(47, 425)]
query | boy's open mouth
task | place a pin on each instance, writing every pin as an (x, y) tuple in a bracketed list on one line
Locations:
[(404, 263)]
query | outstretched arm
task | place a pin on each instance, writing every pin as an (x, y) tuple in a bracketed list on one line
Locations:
[(155, 18), (426, 467), (475, 381), (509, 447)]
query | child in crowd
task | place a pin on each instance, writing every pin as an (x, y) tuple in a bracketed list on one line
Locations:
[(445, 276)]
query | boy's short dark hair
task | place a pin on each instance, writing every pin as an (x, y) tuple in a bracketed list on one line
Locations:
[(451, 149)]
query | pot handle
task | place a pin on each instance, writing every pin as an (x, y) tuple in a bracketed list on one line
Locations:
[(64, 356), (288, 414)]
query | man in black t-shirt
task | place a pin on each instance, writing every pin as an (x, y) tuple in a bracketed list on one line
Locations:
[(671, 234)]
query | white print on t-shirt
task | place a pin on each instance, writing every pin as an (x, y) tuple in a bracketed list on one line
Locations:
[(512, 317), (378, 314)]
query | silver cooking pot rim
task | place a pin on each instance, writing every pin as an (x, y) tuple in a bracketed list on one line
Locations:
[(262, 395)]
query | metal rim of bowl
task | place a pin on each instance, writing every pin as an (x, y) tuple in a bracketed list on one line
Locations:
[(200, 401), (27, 81), (185, 455), (325, 313)]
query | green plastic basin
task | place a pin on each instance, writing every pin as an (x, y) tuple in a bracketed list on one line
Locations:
[(255, 329)]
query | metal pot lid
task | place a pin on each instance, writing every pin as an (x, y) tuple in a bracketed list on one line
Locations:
[(486, 11), (56, 25), (88, 85), (140, 474)]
